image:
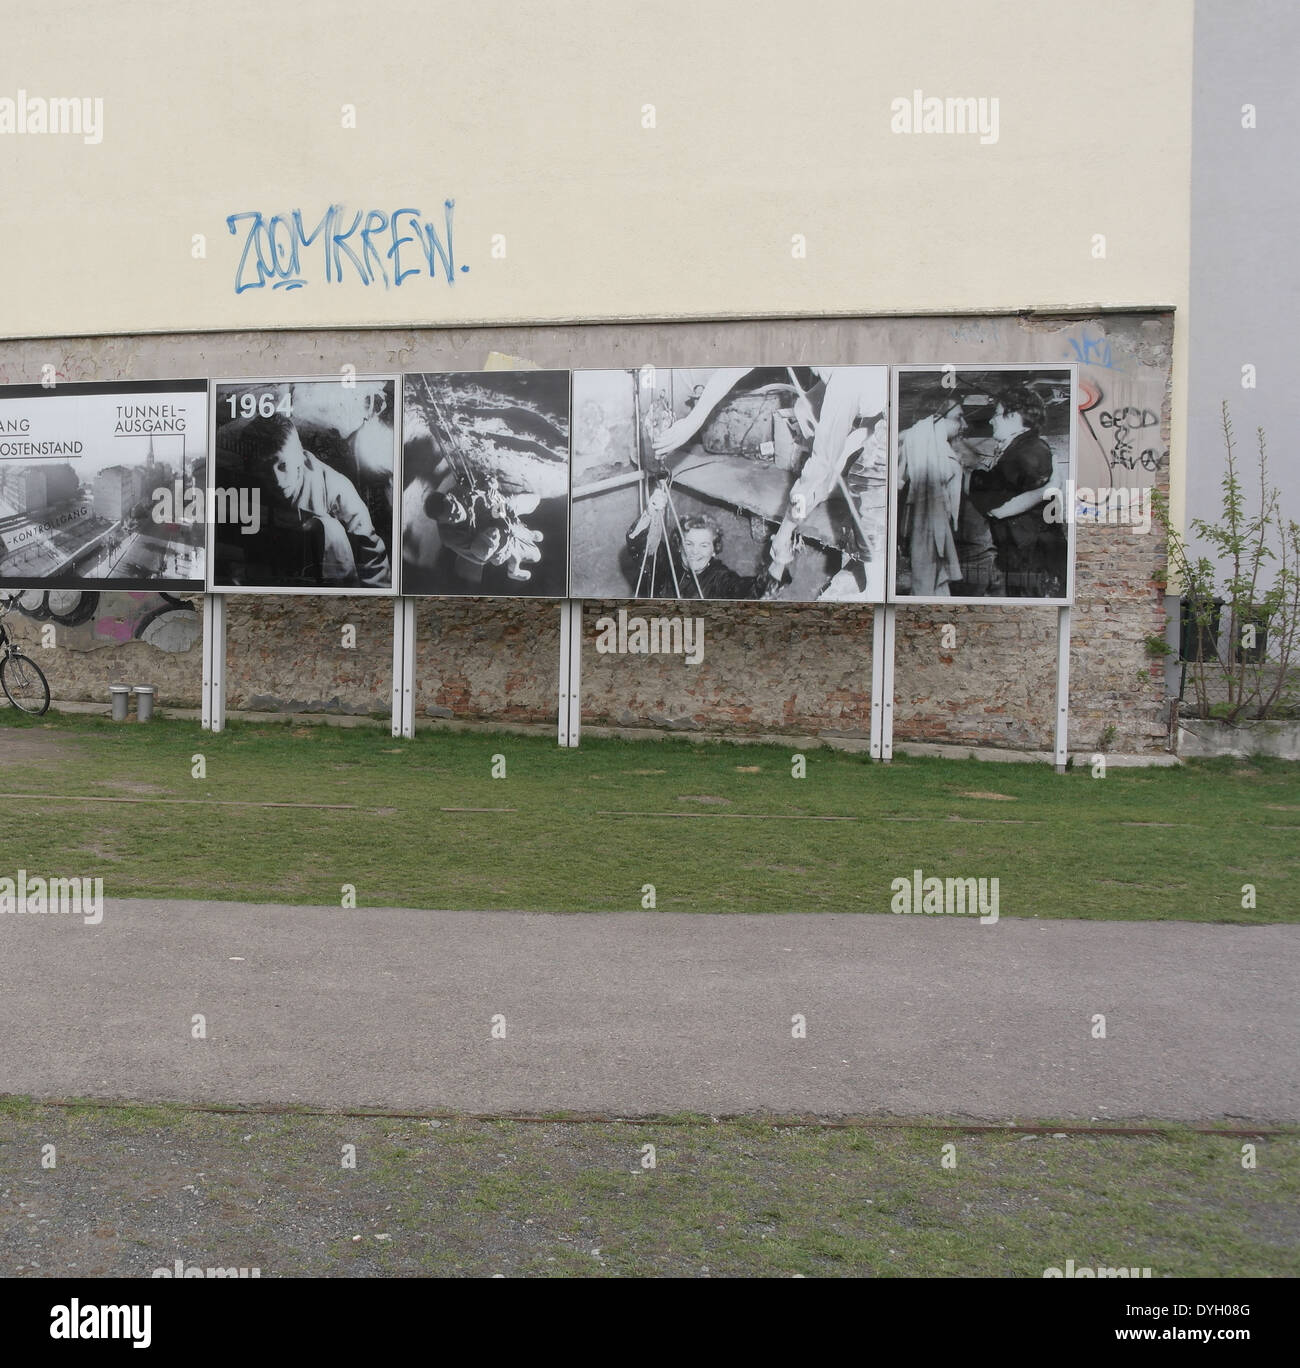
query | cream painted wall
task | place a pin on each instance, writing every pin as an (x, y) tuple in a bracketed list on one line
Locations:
[(771, 119)]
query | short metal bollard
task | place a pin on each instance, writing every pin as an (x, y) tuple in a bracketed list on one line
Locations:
[(144, 701), (121, 700)]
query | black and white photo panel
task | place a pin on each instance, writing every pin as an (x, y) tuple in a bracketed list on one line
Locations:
[(740, 483), (485, 483), (101, 486), (983, 463), (301, 496)]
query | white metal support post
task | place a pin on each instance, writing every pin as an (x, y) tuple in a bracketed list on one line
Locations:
[(404, 667), (877, 678), (1062, 688), (570, 691), (887, 685), (214, 663)]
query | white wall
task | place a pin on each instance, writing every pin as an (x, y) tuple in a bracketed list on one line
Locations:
[(771, 120)]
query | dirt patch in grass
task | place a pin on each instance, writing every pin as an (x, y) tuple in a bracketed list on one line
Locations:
[(99, 849), (30, 746)]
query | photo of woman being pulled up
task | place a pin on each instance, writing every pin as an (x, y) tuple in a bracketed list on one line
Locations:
[(485, 466)]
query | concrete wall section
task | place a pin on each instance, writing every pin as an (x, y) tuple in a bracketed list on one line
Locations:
[(1245, 274)]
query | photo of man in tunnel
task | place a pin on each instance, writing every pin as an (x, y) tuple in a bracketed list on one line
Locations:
[(311, 462)]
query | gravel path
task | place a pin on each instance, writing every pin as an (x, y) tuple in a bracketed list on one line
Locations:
[(651, 1013)]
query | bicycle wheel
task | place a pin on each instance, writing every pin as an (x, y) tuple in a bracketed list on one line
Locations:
[(26, 685)]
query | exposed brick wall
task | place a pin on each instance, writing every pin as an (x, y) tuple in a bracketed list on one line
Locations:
[(767, 667)]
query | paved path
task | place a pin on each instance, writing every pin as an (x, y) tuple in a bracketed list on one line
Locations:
[(650, 1012)]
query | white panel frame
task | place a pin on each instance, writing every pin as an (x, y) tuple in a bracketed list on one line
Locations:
[(1062, 743), (570, 685), (404, 668), (889, 614), (877, 679), (213, 711)]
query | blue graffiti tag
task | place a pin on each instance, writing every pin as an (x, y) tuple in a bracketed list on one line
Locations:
[(1093, 351), (274, 247)]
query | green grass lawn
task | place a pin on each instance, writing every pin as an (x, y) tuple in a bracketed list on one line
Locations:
[(714, 827), (134, 1188)]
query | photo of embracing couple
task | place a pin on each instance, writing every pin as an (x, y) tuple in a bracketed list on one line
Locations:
[(979, 454)]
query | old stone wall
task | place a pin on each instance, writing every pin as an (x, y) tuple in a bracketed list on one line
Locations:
[(766, 667)]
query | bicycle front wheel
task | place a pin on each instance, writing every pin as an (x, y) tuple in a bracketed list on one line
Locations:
[(25, 684)]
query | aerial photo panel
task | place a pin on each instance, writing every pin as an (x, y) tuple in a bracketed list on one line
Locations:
[(101, 486)]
